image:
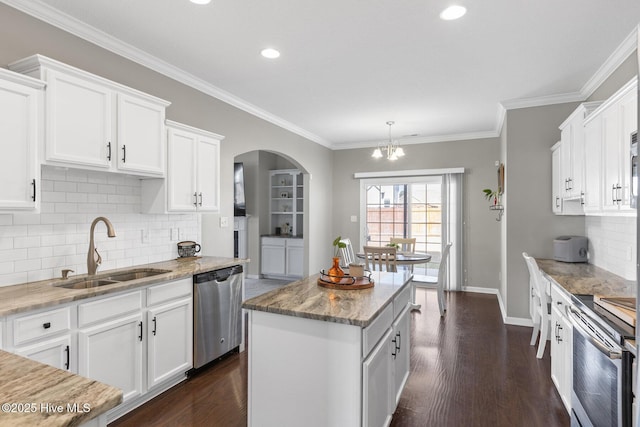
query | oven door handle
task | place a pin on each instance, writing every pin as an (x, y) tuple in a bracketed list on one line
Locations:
[(611, 353)]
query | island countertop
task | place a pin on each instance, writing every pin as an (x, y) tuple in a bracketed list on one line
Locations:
[(305, 298), (35, 394), (586, 279)]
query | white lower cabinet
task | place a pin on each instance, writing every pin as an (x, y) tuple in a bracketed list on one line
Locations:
[(169, 331), (45, 336), (561, 346), (55, 352), (378, 384), (282, 257), (110, 342), (111, 353), (140, 341), (401, 353)]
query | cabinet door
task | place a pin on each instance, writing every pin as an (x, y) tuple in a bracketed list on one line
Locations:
[(401, 343), (54, 352), (577, 158), (295, 258), (557, 350), (111, 353), (377, 384), (79, 121), (628, 125), (208, 178), (18, 141), (611, 157), (170, 340), (140, 135), (566, 173), (565, 336), (273, 260), (181, 182), (556, 186), (593, 165)]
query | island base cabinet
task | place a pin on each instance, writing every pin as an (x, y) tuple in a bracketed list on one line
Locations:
[(303, 372), (377, 384), (112, 354)]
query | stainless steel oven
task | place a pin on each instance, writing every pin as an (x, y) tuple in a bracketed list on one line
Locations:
[(602, 372)]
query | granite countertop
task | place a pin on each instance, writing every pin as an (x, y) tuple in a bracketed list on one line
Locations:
[(586, 279), (305, 298), (40, 394), (41, 294)]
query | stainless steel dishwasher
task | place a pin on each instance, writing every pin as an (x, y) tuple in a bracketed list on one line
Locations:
[(217, 300)]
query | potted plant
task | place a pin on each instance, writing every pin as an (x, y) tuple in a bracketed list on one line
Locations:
[(490, 195)]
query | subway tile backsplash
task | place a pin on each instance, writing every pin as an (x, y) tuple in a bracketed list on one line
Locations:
[(612, 244), (38, 246)]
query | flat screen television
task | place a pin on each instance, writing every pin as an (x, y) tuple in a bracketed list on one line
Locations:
[(239, 203)]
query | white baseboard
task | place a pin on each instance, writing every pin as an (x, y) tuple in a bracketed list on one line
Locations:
[(516, 321)]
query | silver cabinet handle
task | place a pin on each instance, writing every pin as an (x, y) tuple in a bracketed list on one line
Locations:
[(195, 199), (200, 199), (124, 154)]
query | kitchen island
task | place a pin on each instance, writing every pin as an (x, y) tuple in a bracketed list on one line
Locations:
[(321, 357)]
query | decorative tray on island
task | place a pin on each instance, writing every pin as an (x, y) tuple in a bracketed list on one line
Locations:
[(345, 282)]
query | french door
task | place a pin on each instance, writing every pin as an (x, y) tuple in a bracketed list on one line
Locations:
[(409, 208)]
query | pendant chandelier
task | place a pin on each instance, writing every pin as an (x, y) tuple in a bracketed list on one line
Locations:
[(393, 151)]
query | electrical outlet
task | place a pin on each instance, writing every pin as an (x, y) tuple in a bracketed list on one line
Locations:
[(144, 235), (224, 221), (354, 218)]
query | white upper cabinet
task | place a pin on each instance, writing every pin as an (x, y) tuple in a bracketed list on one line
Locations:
[(141, 135), (557, 184), (593, 165), (193, 173), (609, 143), (20, 132), (572, 154), (97, 124)]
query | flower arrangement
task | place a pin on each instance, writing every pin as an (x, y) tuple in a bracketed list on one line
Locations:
[(338, 244)]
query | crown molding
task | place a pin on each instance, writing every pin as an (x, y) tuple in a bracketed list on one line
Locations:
[(539, 101), (52, 16), (419, 140)]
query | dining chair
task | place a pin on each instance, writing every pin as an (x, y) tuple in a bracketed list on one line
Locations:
[(541, 315), (442, 303), (347, 254), (380, 256), (404, 245)]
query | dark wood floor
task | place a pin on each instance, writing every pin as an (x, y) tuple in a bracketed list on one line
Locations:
[(467, 369)]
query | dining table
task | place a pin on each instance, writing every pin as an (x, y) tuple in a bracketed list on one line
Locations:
[(410, 259)]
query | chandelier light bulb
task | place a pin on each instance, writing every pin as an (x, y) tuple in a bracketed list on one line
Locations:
[(377, 153)]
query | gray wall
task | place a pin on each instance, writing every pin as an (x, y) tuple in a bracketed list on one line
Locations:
[(481, 231), (530, 225), (22, 35)]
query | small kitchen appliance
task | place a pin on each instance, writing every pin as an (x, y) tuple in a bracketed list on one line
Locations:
[(188, 248), (570, 248)]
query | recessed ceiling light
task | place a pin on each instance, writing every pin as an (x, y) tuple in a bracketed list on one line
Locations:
[(453, 12), (201, 1), (270, 53)]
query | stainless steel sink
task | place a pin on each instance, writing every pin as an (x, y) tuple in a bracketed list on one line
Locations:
[(110, 279), (125, 276)]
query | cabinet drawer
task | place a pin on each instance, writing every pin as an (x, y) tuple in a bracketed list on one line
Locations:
[(401, 300), (295, 243), (559, 298), (372, 333), (273, 241), (41, 325), (168, 291), (109, 308)]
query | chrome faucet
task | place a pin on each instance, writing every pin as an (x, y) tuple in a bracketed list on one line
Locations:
[(92, 261)]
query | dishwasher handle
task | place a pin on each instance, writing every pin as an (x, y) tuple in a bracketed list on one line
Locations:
[(217, 275)]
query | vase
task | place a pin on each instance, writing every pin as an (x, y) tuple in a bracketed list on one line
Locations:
[(335, 272)]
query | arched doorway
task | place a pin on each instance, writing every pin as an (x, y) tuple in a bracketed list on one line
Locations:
[(258, 195)]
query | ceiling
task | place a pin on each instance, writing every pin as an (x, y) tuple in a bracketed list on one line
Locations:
[(349, 66)]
